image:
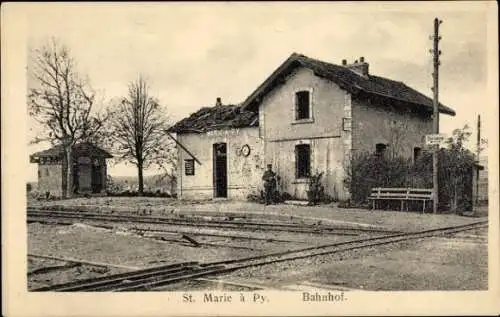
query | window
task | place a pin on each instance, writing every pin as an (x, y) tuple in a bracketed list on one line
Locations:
[(189, 167), (416, 153), (39, 173), (303, 160), (46, 171), (302, 105), (380, 149)]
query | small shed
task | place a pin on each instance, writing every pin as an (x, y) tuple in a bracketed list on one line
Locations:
[(89, 170)]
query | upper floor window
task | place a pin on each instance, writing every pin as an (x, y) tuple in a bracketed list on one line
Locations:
[(380, 149), (302, 105), (302, 160)]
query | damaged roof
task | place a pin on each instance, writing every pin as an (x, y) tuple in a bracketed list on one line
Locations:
[(84, 148), (347, 80), (217, 118)]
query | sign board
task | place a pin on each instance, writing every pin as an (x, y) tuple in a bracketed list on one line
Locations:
[(223, 133), (435, 139), (346, 124)]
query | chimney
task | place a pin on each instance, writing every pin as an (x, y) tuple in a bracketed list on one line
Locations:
[(344, 62), (359, 67), (218, 102)]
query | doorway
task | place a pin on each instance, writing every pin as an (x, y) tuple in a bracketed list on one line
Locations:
[(96, 178), (220, 169)]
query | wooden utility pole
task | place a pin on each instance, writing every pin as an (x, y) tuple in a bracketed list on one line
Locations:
[(435, 75), (478, 149)]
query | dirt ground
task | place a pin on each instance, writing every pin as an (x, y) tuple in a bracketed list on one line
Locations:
[(452, 263), (105, 246)]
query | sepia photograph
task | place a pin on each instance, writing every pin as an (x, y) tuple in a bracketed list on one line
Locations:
[(217, 153)]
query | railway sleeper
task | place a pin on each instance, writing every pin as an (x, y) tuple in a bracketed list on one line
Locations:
[(122, 276)]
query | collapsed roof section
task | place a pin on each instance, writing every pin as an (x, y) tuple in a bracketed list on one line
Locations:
[(219, 117)]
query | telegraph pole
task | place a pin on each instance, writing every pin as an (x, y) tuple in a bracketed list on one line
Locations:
[(435, 75), (478, 153)]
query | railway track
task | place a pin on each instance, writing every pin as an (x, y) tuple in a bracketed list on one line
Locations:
[(149, 279), (43, 215)]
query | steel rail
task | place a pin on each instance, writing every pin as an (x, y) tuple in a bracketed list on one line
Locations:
[(305, 253), (139, 230), (99, 281), (181, 240), (143, 280), (301, 228), (403, 236)]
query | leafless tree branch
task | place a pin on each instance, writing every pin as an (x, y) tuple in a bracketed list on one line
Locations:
[(135, 125)]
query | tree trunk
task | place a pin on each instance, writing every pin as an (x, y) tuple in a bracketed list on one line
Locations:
[(454, 204), (140, 178), (67, 190), (173, 182)]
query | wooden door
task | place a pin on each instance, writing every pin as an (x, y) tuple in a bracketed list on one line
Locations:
[(220, 169)]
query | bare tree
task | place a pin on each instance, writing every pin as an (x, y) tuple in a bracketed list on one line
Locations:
[(62, 102), (137, 125)]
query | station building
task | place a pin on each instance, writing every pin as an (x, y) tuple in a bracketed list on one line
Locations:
[(307, 117)]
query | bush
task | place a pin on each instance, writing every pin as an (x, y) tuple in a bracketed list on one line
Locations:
[(454, 176), (286, 196), (455, 172), (255, 197), (316, 192), (369, 171)]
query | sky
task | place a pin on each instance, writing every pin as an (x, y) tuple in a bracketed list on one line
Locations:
[(192, 53)]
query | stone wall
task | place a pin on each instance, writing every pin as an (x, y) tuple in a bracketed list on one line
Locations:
[(401, 130), (324, 132), (50, 179)]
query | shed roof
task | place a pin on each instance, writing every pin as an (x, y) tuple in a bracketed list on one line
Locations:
[(84, 148), (348, 80), (217, 118)]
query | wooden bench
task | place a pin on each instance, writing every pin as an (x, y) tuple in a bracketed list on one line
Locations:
[(401, 194)]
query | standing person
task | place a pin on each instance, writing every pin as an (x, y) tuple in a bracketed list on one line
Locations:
[(269, 183)]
